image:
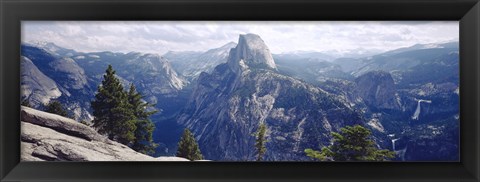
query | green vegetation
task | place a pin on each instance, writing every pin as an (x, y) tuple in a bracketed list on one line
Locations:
[(351, 144), (56, 107), (188, 147), (260, 142), (85, 123), (111, 110), (121, 115), (25, 103), (143, 141)]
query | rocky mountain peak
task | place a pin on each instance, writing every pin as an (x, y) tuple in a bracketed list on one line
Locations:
[(251, 51), (377, 89)]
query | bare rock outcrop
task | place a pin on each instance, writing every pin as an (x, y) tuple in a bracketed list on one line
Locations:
[(38, 88), (251, 51), (377, 89), (49, 137)]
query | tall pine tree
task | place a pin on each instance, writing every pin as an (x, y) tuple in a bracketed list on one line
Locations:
[(188, 147), (260, 141), (144, 126), (111, 110)]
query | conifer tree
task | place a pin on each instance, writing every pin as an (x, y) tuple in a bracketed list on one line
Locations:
[(260, 141), (111, 110), (85, 122), (188, 147), (144, 126), (351, 144), (56, 107), (25, 103)]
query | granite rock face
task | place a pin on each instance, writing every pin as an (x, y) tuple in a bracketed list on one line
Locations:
[(227, 106), (49, 137), (69, 77), (35, 85), (251, 51), (377, 89)]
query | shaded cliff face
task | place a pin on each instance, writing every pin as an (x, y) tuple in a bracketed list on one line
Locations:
[(69, 77), (49, 137), (35, 85), (377, 90), (227, 106)]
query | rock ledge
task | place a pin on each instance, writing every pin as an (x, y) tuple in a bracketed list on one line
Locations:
[(49, 137)]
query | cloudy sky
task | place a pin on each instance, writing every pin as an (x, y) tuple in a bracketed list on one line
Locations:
[(162, 36)]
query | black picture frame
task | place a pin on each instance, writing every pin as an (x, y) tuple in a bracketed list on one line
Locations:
[(14, 11)]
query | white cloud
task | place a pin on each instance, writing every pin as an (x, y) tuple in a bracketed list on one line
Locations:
[(162, 36)]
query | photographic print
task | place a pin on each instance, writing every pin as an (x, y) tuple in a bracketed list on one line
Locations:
[(268, 91)]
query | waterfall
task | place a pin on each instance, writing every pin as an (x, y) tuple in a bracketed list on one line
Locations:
[(393, 143), (417, 111), (402, 152)]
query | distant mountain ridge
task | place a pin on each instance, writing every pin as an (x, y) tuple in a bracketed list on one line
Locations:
[(69, 78), (224, 93), (191, 64)]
